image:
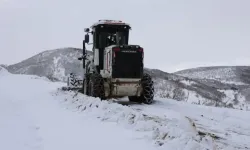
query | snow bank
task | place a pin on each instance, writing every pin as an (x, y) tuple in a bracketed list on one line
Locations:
[(166, 131), (5, 72)]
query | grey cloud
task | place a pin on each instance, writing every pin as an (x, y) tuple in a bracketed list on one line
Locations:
[(173, 33)]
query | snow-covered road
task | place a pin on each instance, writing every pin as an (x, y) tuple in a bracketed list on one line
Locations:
[(35, 115), (30, 119)]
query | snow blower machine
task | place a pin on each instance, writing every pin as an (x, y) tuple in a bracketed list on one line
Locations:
[(115, 69)]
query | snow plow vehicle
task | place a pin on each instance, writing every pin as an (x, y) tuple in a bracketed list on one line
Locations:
[(116, 68)]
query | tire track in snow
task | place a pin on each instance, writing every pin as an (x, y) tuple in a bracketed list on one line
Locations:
[(229, 128)]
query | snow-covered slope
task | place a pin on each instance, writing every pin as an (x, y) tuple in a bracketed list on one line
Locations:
[(39, 116), (227, 74), (58, 64), (53, 64), (201, 91)]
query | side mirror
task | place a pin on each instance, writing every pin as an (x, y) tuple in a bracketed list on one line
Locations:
[(86, 38), (86, 30)]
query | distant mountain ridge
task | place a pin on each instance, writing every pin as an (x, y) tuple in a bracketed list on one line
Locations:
[(55, 64), (236, 74), (191, 85)]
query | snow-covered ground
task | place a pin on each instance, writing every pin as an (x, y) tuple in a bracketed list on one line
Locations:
[(229, 128), (35, 115), (31, 119)]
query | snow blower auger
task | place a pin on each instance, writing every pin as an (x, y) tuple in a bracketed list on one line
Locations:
[(116, 68)]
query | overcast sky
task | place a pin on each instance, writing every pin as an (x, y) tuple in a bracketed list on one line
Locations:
[(175, 34)]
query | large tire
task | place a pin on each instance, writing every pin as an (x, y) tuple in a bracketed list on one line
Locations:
[(72, 80), (86, 84), (147, 96), (96, 86)]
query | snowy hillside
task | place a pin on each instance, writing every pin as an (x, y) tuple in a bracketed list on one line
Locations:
[(57, 64), (201, 92), (227, 74), (41, 116), (54, 64)]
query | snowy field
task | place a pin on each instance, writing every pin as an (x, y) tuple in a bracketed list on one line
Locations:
[(35, 115)]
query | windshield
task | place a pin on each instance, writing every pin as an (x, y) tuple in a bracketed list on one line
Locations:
[(112, 38)]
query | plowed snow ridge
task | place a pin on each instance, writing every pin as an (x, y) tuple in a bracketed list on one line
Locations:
[(171, 132), (170, 124)]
